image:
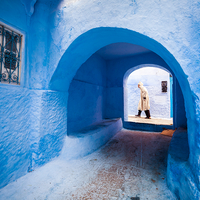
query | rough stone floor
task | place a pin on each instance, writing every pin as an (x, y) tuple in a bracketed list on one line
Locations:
[(131, 164), (157, 121)]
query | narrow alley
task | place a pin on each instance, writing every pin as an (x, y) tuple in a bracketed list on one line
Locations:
[(132, 164)]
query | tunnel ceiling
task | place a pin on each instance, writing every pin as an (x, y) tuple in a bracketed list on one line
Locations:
[(119, 50)]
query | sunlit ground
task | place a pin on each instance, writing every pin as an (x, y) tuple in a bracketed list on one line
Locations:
[(157, 121)]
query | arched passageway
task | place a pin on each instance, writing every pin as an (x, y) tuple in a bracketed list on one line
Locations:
[(158, 84), (100, 92), (90, 42), (178, 107), (153, 52)]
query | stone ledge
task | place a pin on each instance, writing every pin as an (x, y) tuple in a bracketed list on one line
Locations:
[(94, 128), (90, 138), (179, 148), (180, 179), (145, 126)]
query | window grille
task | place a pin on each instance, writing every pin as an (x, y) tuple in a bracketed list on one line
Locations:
[(10, 47)]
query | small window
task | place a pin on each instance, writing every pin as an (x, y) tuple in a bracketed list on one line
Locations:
[(10, 55), (164, 86)]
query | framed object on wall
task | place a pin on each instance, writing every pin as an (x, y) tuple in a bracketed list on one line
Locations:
[(164, 86)]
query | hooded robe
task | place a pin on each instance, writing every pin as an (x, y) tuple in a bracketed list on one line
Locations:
[(144, 98)]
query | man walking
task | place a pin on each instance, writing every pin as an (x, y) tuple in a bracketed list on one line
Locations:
[(144, 101)]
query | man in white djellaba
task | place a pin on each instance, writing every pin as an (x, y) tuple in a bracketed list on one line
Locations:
[(144, 101)]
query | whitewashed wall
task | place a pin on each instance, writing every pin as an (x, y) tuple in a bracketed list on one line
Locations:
[(151, 77)]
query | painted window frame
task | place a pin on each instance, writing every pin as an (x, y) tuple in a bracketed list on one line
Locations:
[(11, 58)]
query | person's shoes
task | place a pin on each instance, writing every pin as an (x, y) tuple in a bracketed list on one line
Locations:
[(137, 115), (148, 116)]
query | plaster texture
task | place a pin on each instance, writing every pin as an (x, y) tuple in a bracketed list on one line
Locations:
[(178, 170), (61, 35), (37, 121), (48, 125), (14, 148), (131, 164)]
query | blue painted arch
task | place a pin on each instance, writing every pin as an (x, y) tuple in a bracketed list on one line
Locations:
[(93, 40)]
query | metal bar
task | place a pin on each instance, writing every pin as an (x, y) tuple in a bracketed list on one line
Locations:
[(18, 60), (10, 55), (15, 45), (8, 42), (10, 78), (2, 50)]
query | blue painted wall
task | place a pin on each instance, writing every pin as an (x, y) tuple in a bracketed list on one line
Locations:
[(33, 120), (116, 81), (18, 18), (179, 107), (87, 94), (48, 115), (59, 37), (14, 142), (15, 105), (118, 71)]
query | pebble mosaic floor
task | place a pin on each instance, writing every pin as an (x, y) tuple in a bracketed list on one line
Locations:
[(132, 164)]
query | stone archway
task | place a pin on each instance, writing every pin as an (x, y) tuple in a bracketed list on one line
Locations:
[(91, 41), (179, 119), (127, 77)]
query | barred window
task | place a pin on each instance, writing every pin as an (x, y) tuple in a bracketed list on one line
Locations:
[(10, 55)]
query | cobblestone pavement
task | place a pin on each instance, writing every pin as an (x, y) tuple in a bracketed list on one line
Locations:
[(132, 164)]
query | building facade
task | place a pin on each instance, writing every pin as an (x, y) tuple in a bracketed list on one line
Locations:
[(59, 50)]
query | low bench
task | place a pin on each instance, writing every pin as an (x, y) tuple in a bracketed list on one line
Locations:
[(179, 174), (90, 138), (179, 148)]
